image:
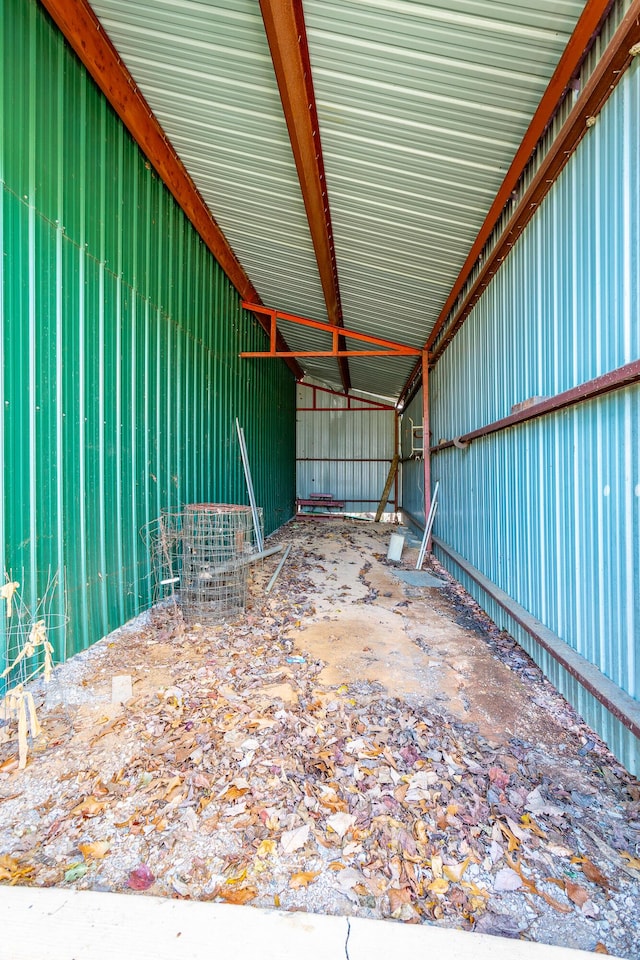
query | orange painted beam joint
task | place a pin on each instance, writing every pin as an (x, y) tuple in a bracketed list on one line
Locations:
[(408, 352), (392, 345)]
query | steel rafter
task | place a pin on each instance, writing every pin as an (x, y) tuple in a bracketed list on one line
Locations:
[(386, 348), (586, 29), (287, 36), (85, 35)]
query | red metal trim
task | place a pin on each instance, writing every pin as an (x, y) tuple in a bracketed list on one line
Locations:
[(85, 35), (396, 451), (343, 409), (350, 398), (392, 348), (574, 53), (597, 91), (287, 36), (585, 31), (619, 703), (344, 459), (614, 380), (410, 388), (284, 354), (425, 434)]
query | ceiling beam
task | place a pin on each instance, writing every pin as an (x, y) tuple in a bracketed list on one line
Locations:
[(624, 46), (85, 35), (287, 36), (584, 33), (391, 348)]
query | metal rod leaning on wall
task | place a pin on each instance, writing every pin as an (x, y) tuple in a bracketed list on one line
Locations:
[(428, 527), (278, 569), (249, 481)]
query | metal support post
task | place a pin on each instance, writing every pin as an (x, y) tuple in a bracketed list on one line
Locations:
[(425, 434)]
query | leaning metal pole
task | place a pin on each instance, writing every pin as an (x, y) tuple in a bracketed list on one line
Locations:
[(249, 481)]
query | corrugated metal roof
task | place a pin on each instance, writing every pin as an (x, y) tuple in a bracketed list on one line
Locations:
[(421, 108), (206, 71)]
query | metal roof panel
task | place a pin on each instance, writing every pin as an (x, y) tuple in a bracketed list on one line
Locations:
[(421, 106)]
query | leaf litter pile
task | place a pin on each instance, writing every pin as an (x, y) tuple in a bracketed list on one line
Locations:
[(241, 771)]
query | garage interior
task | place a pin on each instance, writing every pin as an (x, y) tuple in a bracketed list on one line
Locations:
[(396, 245)]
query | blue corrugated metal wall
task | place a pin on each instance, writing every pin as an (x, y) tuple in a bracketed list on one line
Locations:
[(549, 510), (120, 336)]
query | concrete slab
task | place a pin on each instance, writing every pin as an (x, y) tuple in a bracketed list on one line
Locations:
[(60, 924), (369, 939), (419, 578)]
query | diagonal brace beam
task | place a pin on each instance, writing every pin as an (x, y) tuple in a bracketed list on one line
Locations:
[(287, 36), (379, 346)]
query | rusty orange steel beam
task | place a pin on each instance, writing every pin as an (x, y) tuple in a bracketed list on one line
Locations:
[(287, 36), (85, 35), (586, 29), (400, 349), (409, 352), (624, 46)]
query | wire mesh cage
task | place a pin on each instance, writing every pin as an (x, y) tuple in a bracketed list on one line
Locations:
[(217, 544), (200, 556)]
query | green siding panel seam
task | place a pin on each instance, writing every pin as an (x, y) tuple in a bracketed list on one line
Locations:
[(120, 337)]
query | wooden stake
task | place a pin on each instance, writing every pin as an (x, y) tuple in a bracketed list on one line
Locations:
[(393, 469)]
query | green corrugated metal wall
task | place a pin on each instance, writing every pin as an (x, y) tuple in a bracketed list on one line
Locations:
[(120, 335)]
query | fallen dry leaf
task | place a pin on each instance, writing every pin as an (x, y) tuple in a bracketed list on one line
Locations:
[(576, 893), (234, 793), (237, 895), (506, 879), (303, 879), (499, 776), (89, 807), (341, 823), (438, 886), (141, 878), (475, 890), (75, 872), (633, 862), (398, 898), (12, 870), (294, 839), (94, 851), (592, 873), (513, 843), (266, 849), (529, 824), (455, 871), (600, 948)]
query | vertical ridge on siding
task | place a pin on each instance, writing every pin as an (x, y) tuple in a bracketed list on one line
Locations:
[(549, 509), (120, 337)]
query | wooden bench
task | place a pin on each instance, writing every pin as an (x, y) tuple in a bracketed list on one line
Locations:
[(324, 501)]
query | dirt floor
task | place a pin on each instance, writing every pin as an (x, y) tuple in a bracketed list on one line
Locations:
[(355, 744)]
